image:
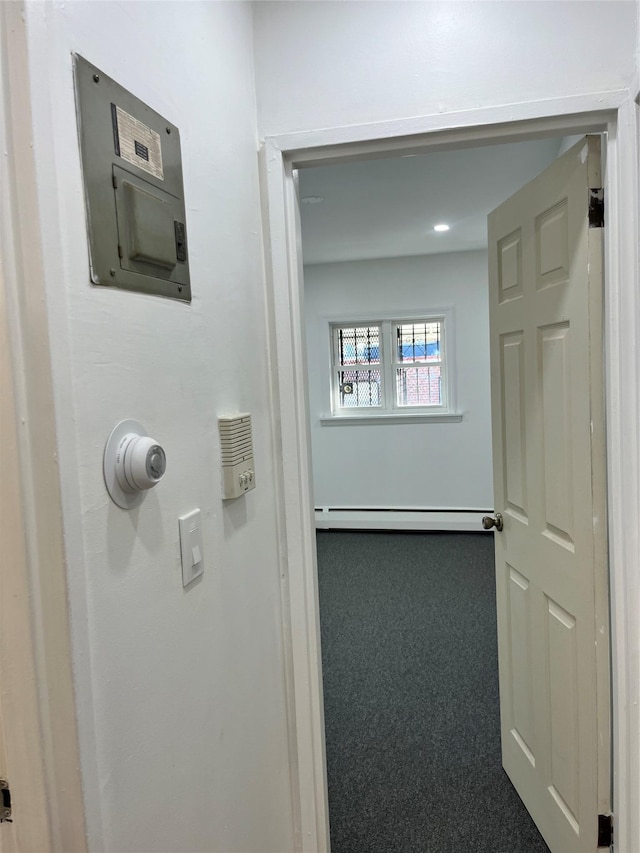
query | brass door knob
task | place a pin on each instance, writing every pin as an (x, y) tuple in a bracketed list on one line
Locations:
[(489, 521)]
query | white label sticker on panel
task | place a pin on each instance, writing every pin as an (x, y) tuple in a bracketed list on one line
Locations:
[(136, 143)]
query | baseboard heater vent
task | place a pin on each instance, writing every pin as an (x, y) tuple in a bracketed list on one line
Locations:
[(398, 518)]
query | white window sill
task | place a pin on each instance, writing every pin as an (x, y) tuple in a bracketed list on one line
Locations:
[(408, 418)]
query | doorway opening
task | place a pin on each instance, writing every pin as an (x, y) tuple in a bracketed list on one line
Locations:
[(396, 448)]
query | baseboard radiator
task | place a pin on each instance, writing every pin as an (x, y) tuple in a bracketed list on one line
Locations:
[(377, 518)]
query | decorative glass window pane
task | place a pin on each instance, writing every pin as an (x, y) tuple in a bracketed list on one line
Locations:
[(358, 345), (359, 388), (418, 343), (419, 386)]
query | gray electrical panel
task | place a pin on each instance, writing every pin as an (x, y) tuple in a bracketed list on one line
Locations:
[(132, 171)]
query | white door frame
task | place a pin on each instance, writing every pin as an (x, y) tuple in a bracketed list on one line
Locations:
[(611, 112), (38, 703)]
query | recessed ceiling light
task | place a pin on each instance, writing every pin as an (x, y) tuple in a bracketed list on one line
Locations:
[(312, 199), (441, 227)]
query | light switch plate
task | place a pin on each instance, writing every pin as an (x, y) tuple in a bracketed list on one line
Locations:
[(191, 546)]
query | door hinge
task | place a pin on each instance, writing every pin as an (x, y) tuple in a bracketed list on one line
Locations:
[(605, 830), (596, 208), (5, 802)]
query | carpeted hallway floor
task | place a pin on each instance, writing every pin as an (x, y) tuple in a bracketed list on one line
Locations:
[(411, 696)]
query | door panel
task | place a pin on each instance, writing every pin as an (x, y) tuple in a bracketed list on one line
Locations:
[(520, 663), (514, 428), (548, 434), (563, 710), (554, 381), (552, 248)]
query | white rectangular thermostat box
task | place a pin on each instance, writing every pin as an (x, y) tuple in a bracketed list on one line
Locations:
[(191, 546), (236, 445)]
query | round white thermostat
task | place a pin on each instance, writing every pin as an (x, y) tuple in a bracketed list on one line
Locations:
[(132, 463)]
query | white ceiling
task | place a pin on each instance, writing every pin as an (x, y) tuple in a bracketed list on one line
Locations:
[(387, 208)]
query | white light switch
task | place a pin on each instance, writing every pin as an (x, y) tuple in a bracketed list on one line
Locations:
[(191, 546)]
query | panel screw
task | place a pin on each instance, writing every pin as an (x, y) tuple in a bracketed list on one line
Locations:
[(168, 130), (96, 78), (112, 272)]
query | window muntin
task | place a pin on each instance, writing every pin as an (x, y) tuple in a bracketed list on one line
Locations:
[(389, 366)]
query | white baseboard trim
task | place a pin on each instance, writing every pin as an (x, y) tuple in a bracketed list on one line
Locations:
[(394, 519)]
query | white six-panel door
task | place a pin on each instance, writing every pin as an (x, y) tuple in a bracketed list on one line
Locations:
[(549, 476)]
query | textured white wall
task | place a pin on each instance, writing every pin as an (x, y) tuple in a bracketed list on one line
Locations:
[(329, 64), (439, 465), (181, 699), (637, 80)]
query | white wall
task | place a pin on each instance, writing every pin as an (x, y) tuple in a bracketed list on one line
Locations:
[(426, 465), (329, 64), (180, 694), (636, 84)]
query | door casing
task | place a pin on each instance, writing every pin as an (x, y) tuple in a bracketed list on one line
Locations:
[(612, 113), (38, 705)]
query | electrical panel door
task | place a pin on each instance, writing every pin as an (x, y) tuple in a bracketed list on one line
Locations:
[(132, 171)]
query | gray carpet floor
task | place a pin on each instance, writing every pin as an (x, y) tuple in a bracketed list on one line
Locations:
[(411, 696)]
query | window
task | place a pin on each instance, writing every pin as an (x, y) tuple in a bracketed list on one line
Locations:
[(390, 367)]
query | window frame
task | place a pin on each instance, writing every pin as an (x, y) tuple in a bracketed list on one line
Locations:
[(389, 410)]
